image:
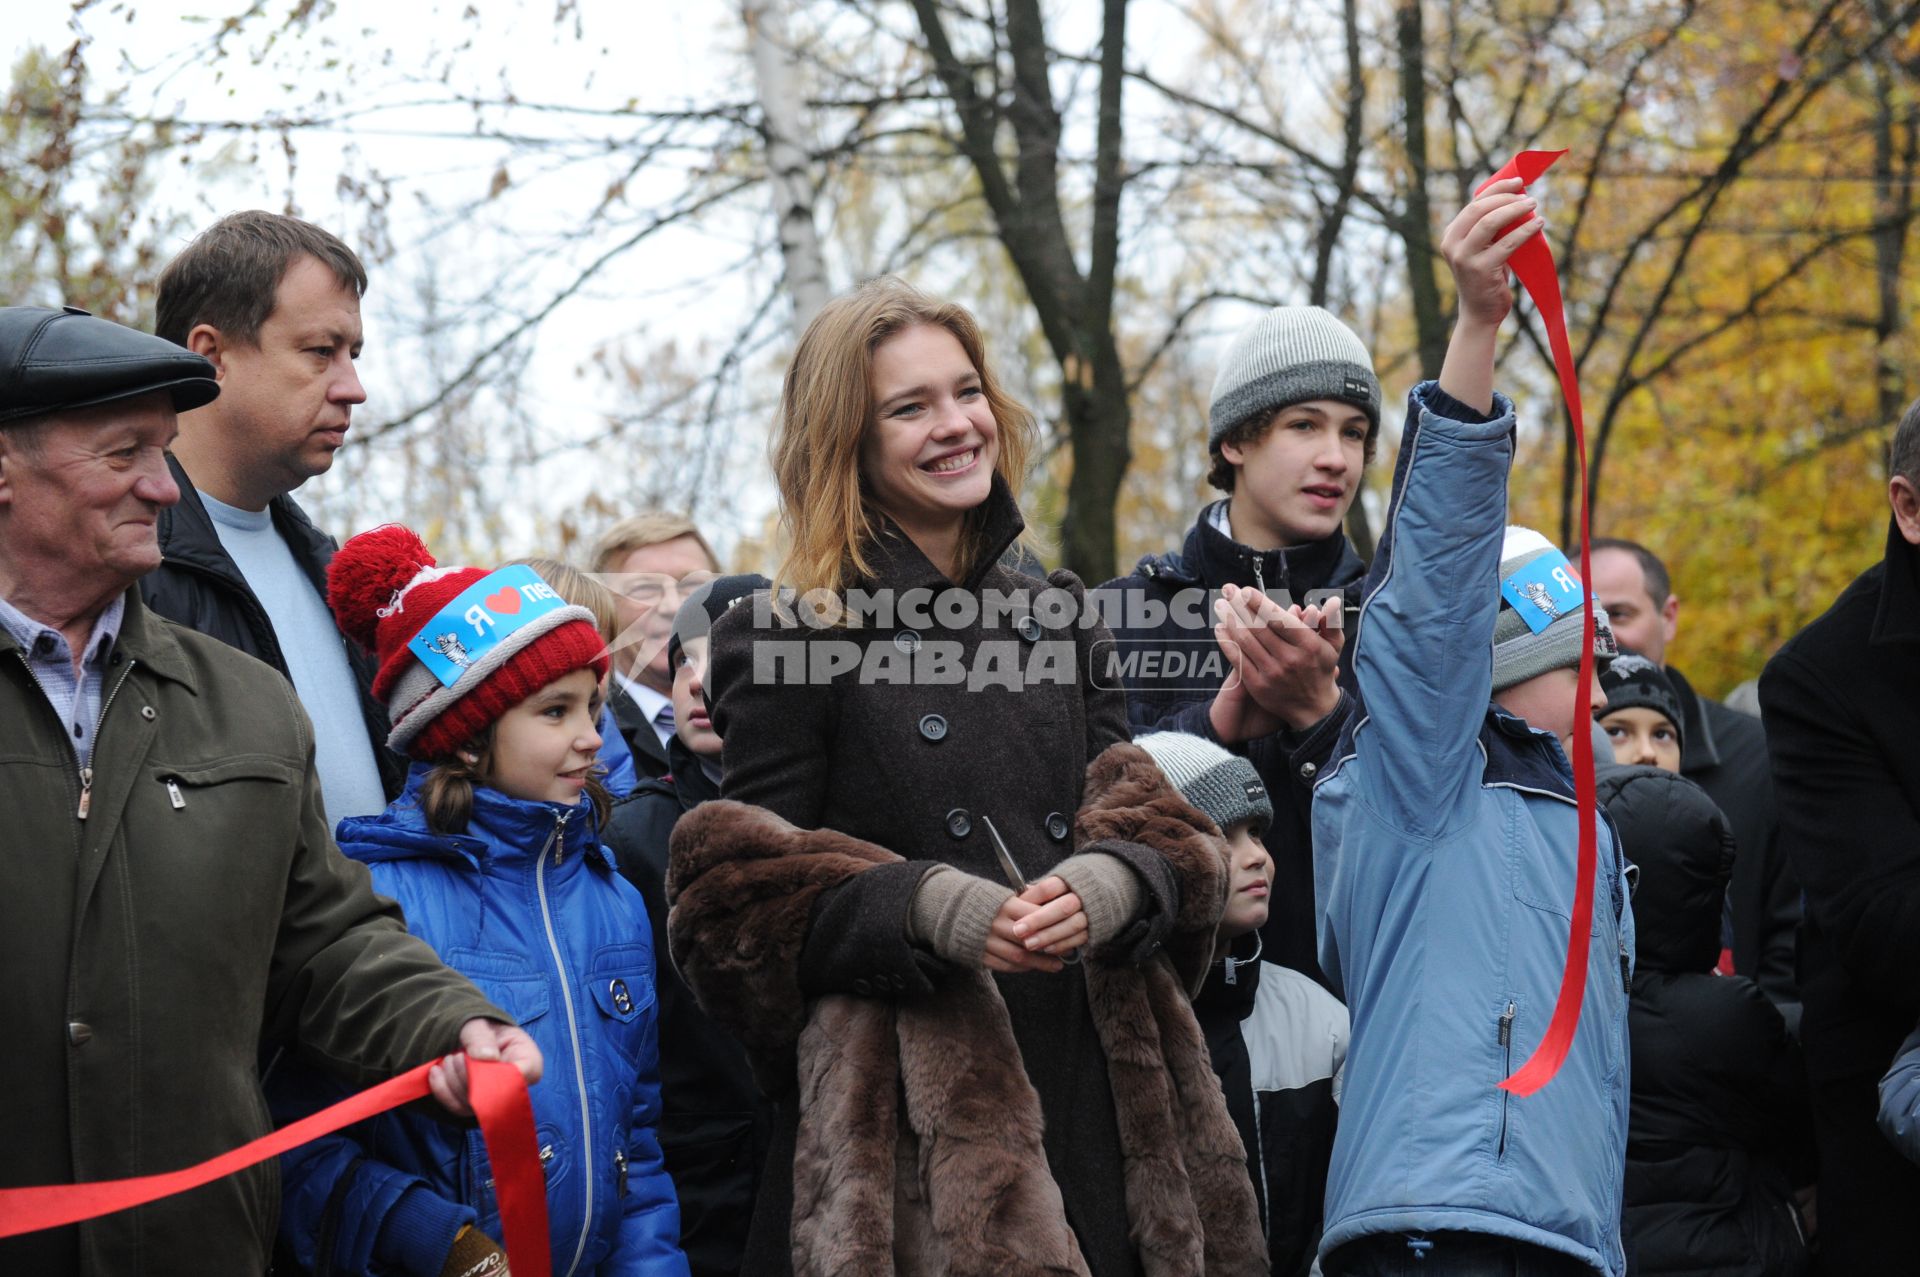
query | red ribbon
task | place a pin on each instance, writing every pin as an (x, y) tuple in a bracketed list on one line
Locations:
[(1532, 264), (499, 1100)]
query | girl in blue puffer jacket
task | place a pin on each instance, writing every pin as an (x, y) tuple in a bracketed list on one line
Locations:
[(492, 683)]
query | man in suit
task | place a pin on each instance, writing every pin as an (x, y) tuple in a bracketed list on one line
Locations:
[(651, 562)]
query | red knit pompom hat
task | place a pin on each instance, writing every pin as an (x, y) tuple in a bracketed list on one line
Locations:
[(384, 588)]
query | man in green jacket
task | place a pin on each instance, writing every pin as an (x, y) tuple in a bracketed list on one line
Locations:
[(174, 902)]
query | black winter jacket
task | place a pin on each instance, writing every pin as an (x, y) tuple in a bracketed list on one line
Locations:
[(198, 585), (714, 1123), (1717, 1121), (1165, 607)]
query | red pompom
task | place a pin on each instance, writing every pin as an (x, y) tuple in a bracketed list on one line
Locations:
[(368, 574)]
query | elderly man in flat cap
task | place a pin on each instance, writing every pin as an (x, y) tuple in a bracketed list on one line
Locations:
[(173, 899)]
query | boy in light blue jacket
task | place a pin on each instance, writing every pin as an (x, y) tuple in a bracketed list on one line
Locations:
[(1900, 1099), (1445, 843)]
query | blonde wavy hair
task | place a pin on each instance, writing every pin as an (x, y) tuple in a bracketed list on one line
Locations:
[(826, 410)]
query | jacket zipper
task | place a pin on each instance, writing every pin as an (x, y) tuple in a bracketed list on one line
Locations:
[(556, 841), (1260, 1158), (620, 1172), (1506, 1050), (1259, 576), (86, 772)]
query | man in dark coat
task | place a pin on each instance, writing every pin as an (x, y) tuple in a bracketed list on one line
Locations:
[(1842, 707), (1725, 753), (174, 897), (714, 1123), (1294, 417), (274, 304)]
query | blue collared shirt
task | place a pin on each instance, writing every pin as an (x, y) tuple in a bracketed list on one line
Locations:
[(75, 696)]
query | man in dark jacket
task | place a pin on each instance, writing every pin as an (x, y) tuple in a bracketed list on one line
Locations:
[(1294, 417), (714, 1123), (1842, 707), (1725, 754), (274, 304), (174, 897)]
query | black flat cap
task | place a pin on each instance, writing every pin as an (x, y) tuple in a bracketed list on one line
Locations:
[(55, 360)]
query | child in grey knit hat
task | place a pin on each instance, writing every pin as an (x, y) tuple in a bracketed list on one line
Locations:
[(1228, 789), (1277, 1039)]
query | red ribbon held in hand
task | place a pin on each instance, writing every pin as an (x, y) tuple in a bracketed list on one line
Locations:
[(1532, 264), (499, 1099)]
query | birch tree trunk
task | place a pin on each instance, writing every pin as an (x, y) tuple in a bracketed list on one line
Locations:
[(782, 126)]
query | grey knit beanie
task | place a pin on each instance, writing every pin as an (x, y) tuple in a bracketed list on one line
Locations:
[(1519, 652), (1289, 355), (1224, 786)]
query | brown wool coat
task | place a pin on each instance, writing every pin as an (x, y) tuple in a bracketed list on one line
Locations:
[(1082, 1093)]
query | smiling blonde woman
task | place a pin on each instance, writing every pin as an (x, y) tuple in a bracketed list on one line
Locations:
[(957, 1090)]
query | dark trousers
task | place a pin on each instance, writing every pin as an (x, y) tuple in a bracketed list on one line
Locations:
[(1446, 1254), (1869, 1193)]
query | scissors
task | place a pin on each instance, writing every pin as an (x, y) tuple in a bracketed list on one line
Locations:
[(1014, 876)]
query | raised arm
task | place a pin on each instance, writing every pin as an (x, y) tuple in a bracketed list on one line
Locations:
[(1424, 655)]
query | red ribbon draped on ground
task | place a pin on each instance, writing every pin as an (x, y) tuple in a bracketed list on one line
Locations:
[(1532, 265), (499, 1100)]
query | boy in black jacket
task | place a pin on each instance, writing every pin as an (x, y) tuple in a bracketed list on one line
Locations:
[(1717, 1123), (1278, 1040), (1293, 421)]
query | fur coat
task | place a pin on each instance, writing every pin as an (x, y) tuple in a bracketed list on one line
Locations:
[(918, 1145)]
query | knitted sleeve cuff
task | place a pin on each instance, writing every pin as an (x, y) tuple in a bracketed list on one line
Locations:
[(953, 912), (419, 1230), (1109, 890)]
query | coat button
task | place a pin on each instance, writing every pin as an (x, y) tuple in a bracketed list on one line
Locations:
[(1307, 771), (146, 712), (863, 987), (933, 727), (1029, 629), (907, 640), (1057, 828), (79, 1034), (959, 823), (622, 999)]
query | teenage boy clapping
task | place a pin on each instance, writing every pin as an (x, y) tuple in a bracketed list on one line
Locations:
[(1211, 639), (1445, 841)]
